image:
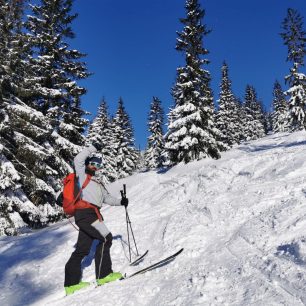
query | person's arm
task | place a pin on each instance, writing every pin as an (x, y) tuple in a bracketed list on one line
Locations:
[(79, 161), (109, 199)]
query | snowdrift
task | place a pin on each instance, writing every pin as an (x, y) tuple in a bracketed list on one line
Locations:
[(241, 221)]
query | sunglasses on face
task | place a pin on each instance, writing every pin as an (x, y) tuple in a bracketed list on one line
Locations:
[(95, 164)]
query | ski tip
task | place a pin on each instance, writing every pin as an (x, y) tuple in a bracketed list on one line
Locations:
[(139, 259), (180, 251), (157, 264)]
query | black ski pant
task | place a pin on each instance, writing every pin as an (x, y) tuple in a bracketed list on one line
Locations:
[(87, 234)]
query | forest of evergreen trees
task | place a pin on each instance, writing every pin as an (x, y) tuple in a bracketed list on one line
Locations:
[(43, 125)]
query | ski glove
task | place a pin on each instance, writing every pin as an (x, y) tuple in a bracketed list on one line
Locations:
[(97, 145), (109, 239), (125, 202)]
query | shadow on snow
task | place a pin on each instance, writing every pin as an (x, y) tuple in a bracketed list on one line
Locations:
[(28, 253), (250, 148), (88, 260), (291, 252)]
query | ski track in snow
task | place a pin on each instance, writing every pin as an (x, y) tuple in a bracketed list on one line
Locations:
[(241, 221)]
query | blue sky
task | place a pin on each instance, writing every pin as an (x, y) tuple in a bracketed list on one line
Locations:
[(130, 48)]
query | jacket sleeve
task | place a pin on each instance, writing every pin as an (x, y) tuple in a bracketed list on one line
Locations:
[(108, 199), (79, 162)]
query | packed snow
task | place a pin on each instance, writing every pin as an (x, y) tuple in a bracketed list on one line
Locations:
[(240, 219)]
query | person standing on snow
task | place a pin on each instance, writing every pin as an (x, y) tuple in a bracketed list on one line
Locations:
[(91, 225)]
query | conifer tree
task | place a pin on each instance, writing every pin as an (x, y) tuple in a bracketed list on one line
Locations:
[(141, 161), (280, 119), (24, 137), (36, 145), (14, 49), (56, 70), (262, 115), (265, 118), (126, 155), (268, 122), (100, 130), (294, 37), (153, 154), (254, 115), (242, 120), (28, 177), (192, 134), (9, 187), (227, 120)]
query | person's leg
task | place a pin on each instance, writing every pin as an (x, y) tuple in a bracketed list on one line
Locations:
[(103, 259), (84, 220), (103, 263), (104, 272), (73, 271)]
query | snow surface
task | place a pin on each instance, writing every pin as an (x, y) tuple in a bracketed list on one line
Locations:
[(241, 220)]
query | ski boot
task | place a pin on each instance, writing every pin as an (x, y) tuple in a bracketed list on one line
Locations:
[(71, 289), (109, 278)]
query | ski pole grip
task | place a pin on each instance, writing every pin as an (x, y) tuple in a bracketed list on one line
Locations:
[(124, 189), (121, 193)]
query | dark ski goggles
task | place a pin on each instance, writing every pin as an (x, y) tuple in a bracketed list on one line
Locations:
[(95, 164)]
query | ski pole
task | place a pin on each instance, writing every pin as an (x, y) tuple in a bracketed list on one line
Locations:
[(124, 190), (130, 223), (101, 259), (123, 195)]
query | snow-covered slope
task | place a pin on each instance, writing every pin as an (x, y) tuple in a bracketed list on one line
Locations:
[(240, 219)]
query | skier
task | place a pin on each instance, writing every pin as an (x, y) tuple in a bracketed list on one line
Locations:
[(91, 225)]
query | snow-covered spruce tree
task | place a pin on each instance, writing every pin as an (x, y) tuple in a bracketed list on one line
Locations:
[(192, 134), (37, 144), (26, 156), (9, 190), (155, 147), (14, 49), (27, 173), (254, 115), (100, 130), (268, 122), (126, 154), (280, 119), (265, 118), (54, 74), (141, 161), (55, 71), (227, 120), (294, 37), (242, 120), (166, 153)]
